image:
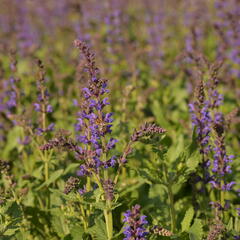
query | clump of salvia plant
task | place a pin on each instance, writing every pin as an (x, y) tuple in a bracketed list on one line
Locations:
[(93, 146), (211, 132)]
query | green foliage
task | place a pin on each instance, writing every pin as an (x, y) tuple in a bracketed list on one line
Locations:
[(11, 217), (196, 230), (98, 231), (186, 222), (54, 176)]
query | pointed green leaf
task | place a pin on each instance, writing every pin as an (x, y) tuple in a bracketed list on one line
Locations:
[(54, 176), (196, 230), (186, 222), (98, 231)]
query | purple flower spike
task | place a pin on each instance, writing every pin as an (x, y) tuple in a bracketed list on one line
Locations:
[(135, 224), (221, 162), (94, 124)]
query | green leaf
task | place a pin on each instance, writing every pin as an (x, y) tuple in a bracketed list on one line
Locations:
[(176, 149), (71, 197), (196, 230), (11, 230), (131, 187), (98, 231), (149, 175), (159, 114), (70, 167), (237, 224), (193, 161), (98, 205), (76, 232), (193, 157), (230, 224), (12, 140), (52, 179), (37, 173), (59, 225), (14, 213), (186, 222)]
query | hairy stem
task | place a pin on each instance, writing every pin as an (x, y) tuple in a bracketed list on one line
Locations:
[(172, 209), (107, 212), (171, 199), (109, 221)]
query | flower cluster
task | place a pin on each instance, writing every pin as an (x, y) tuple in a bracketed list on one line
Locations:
[(114, 21), (135, 228), (108, 187), (42, 105), (62, 141), (215, 98), (71, 184), (227, 26), (146, 129), (201, 119), (215, 230), (211, 123), (194, 20), (4, 167), (93, 123), (157, 230), (221, 163), (27, 36), (9, 96), (155, 19)]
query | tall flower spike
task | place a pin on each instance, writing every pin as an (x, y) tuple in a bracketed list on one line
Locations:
[(201, 119), (227, 27), (135, 228), (115, 19), (93, 123), (155, 20), (221, 164), (9, 97), (200, 114), (42, 105)]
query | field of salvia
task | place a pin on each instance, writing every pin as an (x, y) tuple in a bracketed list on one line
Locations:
[(119, 119)]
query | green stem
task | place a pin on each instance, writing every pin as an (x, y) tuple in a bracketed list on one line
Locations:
[(172, 209), (121, 167), (222, 198), (46, 173), (107, 212), (171, 198), (46, 170), (109, 222), (85, 223), (88, 187)]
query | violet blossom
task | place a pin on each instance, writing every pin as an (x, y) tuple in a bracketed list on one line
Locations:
[(93, 122), (135, 224), (221, 163)]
